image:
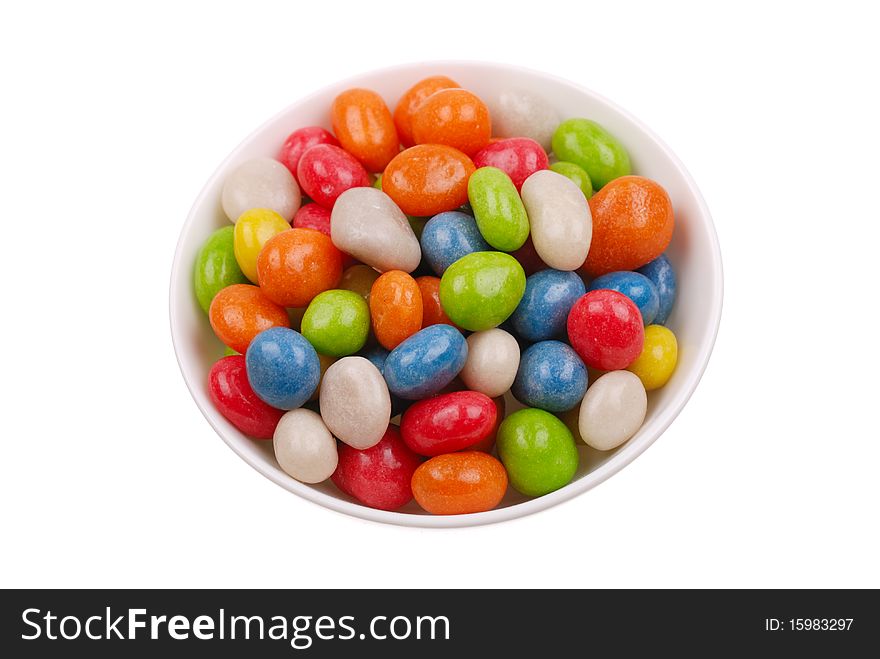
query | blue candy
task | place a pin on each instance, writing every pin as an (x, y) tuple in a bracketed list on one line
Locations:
[(449, 236), (551, 377), (282, 367), (426, 362), (660, 272), (543, 310), (636, 287)]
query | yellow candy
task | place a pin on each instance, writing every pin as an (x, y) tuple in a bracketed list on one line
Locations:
[(659, 355), (252, 230)]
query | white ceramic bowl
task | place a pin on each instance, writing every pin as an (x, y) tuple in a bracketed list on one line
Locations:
[(694, 253)]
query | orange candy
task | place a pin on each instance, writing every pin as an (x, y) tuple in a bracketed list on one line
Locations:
[(454, 117), (241, 311), (412, 99), (395, 308), (428, 179), (364, 127), (295, 265), (432, 311), (459, 483), (632, 225)]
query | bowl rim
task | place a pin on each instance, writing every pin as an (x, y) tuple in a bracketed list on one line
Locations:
[(627, 454)]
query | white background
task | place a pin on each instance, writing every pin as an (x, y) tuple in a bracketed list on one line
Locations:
[(113, 116)]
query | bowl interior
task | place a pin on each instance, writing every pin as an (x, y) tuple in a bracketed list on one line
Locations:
[(694, 253)]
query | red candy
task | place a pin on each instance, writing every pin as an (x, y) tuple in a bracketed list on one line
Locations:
[(299, 141), (380, 476), (448, 423), (312, 216), (518, 157), (605, 329), (486, 445), (528, 258), (326, 171), (232, 395)]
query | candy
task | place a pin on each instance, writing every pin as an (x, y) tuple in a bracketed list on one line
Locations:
[(325, 362), (216, 267), (636, 287), (632, 225), (576, 175), (412, 99), (519, 113), (428, 179), (492, 362), (312, 216), (395, 308), (588, 145), (304, 448), (432, 310), (326, 171), (488, 444), (377, 355), (355, 403), (261, 183), (543, 309), (660, 272), (528, 258), (655, 365), (613, 410), (282, 367), (498, 209), (481, 290), (551, 377), (518, 157), (363, 124), (295, 265), (234, 398), (241, 311), (252, 231), (368, 225), (337, 322), (453, 117), (449, 236), (380, 476), (538, 452), (426, 362), (459, 483), (605, 329), (359, 279), (299, 141), (449, 422)]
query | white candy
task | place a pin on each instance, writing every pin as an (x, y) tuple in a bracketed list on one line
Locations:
[(492, 361), (559, 219), (261, 183), (367, 224), (355, 403), (523, 114), (613, 410), (304, 447)]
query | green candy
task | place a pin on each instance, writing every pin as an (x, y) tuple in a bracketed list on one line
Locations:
[(378, 182), (227, 351), (500, 214), (538, 451), (588, 145), (482, 289), (336, 323), (216, 267), (576, 174)]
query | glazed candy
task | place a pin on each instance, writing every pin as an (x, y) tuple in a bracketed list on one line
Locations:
[(251, 233), (488, 444), (326, 171), (380, 476), (449, 236), (481, 290), (577, 175), (363, 124), (282, 367), (355, 402), (459, 483), (588, 145), (395, 308), (312, 216), (241, 311), (432, 310), (233, 396), (453, 117), (551, 377), (337, 322), (520, 113), (528, 258), (498, 209), (661, 273), (412, 99), (543, 310), (325, 362), (613, 410), (261, 183), (426, 362), (216, 267), (538, 452), (492, 362), (428, 179), (518, 157), (377, 355), (299, 141), (605, 329), (367, 224), (304, 448), (449, 422), (359, 279), (636, 287), (295, 265), (655, 365)]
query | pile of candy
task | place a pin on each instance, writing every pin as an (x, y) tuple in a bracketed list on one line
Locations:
[(442, 259)]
